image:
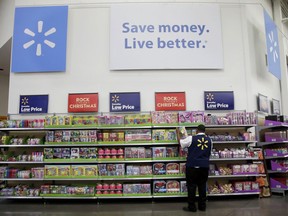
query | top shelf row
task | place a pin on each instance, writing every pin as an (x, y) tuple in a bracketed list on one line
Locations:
[(149, 120)]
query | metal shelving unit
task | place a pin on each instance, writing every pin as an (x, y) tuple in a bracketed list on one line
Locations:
[(136, 161)]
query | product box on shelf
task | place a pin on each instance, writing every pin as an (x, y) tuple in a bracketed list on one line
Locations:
[(136, 189), (116, 170), (113, 189), (159, 152), (172, 152), (245, 186), (84, 171), (164, 118), (172, 168), (279, 165), (111, 120), (276, 136), (164, 135), (138, 135), (57, 171), (159, 169), (159, 187), (281, 152), (173, 186), (183, 187), (279, 182), (138, 120)]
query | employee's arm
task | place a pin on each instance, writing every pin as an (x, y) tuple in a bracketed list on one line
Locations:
[(185, 143)]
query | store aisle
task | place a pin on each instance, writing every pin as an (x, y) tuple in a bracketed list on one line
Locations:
[(276, 205)]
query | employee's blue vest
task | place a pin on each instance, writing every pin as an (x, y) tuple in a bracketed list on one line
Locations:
[(199, 151)]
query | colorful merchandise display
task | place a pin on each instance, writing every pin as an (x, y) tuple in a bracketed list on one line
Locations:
[(107, 155)]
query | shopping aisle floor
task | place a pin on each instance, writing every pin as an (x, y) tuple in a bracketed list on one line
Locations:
[(276, 206)]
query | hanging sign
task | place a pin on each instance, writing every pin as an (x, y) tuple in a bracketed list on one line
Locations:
[(125, 102), (33, 104), (219, 100), (170, 101), (83, 102)]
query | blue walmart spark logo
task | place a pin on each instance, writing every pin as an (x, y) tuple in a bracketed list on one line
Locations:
[(39, 44), (39, 39)]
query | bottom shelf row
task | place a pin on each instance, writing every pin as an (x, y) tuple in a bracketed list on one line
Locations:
[(158, 188)]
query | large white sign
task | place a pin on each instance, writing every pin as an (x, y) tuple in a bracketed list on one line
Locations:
[(165, 36)]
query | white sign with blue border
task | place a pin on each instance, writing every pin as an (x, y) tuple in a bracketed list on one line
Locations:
[(33, 104), (219, 100), (125, 102), (39, 39), (272, 45)]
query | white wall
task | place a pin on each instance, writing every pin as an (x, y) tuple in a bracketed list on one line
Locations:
[(87, 70), (4, 88), (6, 18)]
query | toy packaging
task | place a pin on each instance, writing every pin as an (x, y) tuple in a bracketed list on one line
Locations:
[(158, 152), (185, 117), (182, 132), (173, 186), (75, 153), (48, 153), (136, 189), (159, 187), (138, 135), (172, 152), (183, 187), (159, 169), (172, 168)]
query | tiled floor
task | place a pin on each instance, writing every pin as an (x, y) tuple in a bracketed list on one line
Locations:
[(245, 206)]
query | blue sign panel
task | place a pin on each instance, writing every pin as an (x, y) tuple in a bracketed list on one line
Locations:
[(33, 104), (219, 100), (272, 46), (39, 39), (125, 102)]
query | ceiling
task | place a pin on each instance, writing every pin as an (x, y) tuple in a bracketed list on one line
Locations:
[(5, 56)]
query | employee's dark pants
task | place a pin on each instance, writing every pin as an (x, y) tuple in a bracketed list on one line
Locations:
[(196, 177)]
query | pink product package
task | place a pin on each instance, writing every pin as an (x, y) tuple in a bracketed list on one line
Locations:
[(185, 117)]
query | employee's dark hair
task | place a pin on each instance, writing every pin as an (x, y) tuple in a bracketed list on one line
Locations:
[(201, 128)]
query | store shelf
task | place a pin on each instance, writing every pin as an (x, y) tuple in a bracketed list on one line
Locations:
[(279, 190), (234, 194), (276, 157), (71, 145), (168, 177), (20, 146), (276, 171), (21, 162), (19, 197), (233, 159), (169, 196), (137, 144), (21, 179), (69, 197), (237, 176), (260, 144), (222, 129), (22, 129)]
